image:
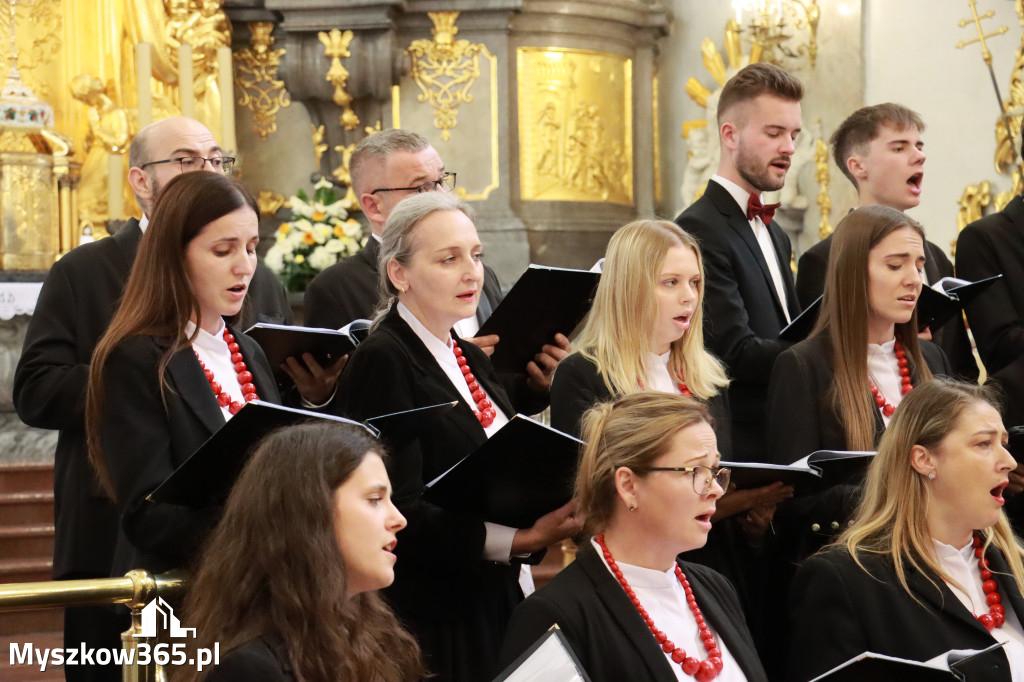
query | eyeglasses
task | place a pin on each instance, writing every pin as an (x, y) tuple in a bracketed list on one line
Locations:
[(222, 164), (446, 183), (703, 477)]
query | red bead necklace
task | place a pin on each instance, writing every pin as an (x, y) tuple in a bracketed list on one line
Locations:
[(244, 377), (905, 385), (703, 671), (996, 612), (485, 411)]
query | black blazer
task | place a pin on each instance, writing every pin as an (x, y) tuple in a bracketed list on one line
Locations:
[(145, 436), (577, 386), (951, 337), (742, 313), (839, 610), (991, 246), (455, 602), (349, 290), (264, 659), (801, 416), (607, 634)]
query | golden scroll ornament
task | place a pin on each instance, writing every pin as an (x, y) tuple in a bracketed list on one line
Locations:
[(256, 78), (335, 48)]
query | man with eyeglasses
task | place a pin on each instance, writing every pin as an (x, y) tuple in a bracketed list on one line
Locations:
[(75, 306), (387, 167)]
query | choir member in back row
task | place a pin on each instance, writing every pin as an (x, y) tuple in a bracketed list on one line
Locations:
[(930, 563), (648, 483), (170, 371), (456, 578), (286, 585)]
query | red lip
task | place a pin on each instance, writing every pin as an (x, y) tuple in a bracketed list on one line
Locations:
[(997, 493)]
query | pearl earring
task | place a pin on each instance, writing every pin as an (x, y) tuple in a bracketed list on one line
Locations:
[(931, 476)]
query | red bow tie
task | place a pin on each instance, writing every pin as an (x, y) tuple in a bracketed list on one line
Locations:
[(756, 208)]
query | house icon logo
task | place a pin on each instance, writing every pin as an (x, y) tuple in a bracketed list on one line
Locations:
[(158, 615)]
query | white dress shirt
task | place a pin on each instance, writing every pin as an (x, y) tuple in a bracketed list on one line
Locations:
[(213, 352), (660, 593), (763, 237), (658, 377), (962, 566), (884, 372)]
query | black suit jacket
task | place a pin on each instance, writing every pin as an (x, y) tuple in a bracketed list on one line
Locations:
[(607, 634), (991, 246), (349, 290), (951, 337), (264, 659), (455, 602), (742, 313), (577, 386), (75, 306), (840, 610), (145, 435)]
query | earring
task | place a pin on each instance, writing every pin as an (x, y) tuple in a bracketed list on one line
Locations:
[(632, 507), (931, 476)]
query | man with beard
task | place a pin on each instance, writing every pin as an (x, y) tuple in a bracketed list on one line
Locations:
[(75, 306), (879, 148), (750, 296)]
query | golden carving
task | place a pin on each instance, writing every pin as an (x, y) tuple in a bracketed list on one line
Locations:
[(972, 204), (342, 174), (319, 146), (575, 125), (39, 23), (769, 40), (445, 70), (821, 175), (270, 202), (109, 133), (256, 78), (335, 47)]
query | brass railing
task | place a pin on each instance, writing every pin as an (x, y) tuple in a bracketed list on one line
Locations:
[(135, 590)]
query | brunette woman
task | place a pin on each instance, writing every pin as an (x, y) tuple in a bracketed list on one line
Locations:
[(648, 483), (287, 583), (170, 369), (455, 585), (930, 563)]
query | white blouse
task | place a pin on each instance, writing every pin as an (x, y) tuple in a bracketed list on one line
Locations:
[(962, 566), (658, 376), (884, 372), (665, 601), (213, 352)]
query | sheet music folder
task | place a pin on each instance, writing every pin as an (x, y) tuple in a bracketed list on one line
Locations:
[(936, 307), (549, 659), (798, 329), (522, 472), (957, 664), (280, 342), (207, 476), (818, 469), (543, 302)]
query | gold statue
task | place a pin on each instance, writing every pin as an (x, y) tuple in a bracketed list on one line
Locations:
[(110, 131)]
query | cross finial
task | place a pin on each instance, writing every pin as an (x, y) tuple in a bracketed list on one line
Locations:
[(976, 20)]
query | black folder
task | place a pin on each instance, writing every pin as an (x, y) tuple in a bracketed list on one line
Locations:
[(207, 476), (521, 473), (549, 659), (543, 302), (798, 329), (819, 469), (935, 308), (958, 664), (280, 342)]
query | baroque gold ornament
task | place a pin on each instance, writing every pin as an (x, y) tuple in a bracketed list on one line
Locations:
[(821, 175), (445, 70), (256, 78), (335, 48)]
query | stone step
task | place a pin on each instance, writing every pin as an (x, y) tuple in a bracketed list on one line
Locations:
[(26, 541), (17, 508), (21, 673), (16, 478)]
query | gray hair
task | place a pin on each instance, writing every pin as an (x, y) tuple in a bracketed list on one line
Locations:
[(397, 241), (378, 147)]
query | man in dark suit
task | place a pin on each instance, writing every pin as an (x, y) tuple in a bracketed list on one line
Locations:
[(991, 246), (879, 149), (749, 295), (387, 167), (75, 306)]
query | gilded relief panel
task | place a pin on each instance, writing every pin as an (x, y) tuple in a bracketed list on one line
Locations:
[(29, 238), (575, 125)]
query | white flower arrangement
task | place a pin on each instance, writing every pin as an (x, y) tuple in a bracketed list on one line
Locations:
[(319, 234)]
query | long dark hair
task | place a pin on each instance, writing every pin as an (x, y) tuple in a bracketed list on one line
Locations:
[(272, 566), (159, 299)]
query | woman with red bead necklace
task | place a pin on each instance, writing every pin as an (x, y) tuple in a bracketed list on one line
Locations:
[(456, 578), (837, 389), (648, 484), (930, 563), (169, 371)]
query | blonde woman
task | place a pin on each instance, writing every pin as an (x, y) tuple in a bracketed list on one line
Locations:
[(906, 578)]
